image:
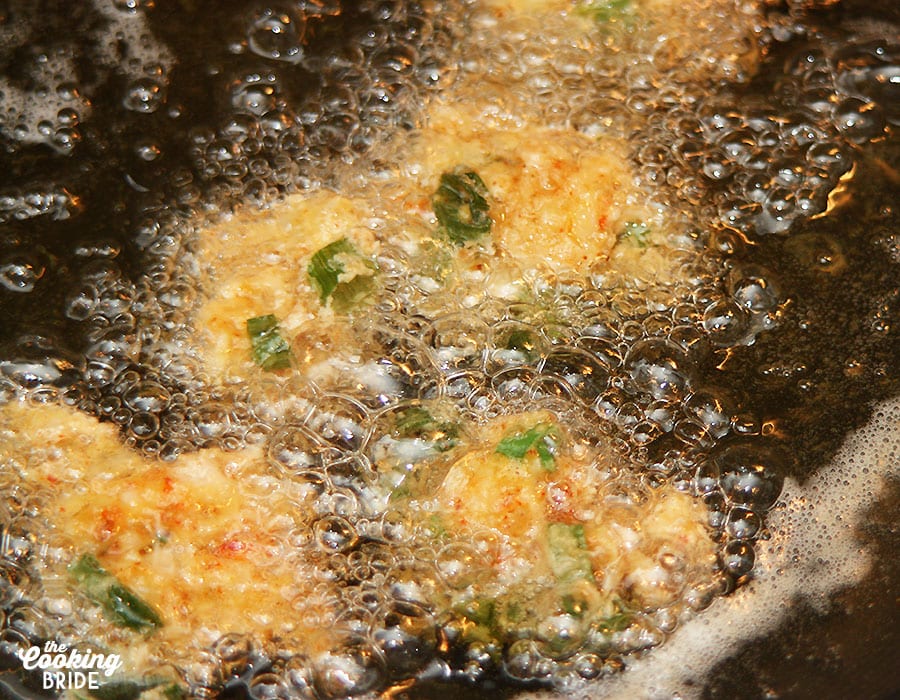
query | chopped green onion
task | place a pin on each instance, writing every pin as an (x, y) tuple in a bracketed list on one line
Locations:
[(619, 620), (400, 492), (521, 341), (481, 611), (605, 10), (121, 604), (542, 438), (461, 205), (123, 689), (413, 422), (173, 691), (574, 605), (637, 233), (436, 526), (342, 275), (417, 423), (270, 350), (570, 559), (516, 614), (128, 689), (513, 612), (481, 615)]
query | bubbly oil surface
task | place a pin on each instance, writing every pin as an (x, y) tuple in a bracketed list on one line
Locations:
[(696, 371)]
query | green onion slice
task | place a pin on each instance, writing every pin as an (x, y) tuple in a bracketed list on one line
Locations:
[(270, 350), (461, 205), (342, 275), (637, 233), (121, 604), (606, 10), (619, 620), (543, 439), (417, 423), (570, 559)]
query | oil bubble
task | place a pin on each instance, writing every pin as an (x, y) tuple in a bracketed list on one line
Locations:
[(334, 534), (860, 121), (743, 524), (19, 276), (817, 252), (348, 672), (587, 377), (727, 323), (406, 636), (738, 558), (144, 96), (752, 472), (658, 367), (270, 686), (277, 35)]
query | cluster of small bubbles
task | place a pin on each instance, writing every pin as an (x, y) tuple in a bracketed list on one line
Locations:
[(765, 166), (641, 380), (51, 113), (274, 142), (287, 118), (21, 204)]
